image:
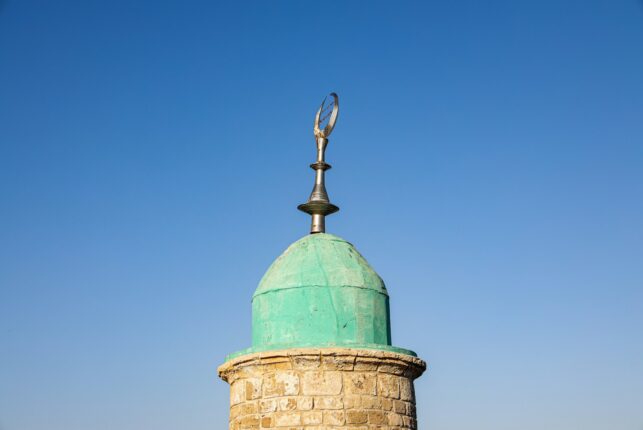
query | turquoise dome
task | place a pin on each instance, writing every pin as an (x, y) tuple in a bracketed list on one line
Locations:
[(321, 292)]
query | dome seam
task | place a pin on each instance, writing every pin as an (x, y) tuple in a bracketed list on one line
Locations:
[(275, 289)]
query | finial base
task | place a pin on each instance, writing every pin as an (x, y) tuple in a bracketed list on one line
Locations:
[(318, 208), (318, 211)]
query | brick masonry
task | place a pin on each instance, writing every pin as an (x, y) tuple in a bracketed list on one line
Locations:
[(322, 389)]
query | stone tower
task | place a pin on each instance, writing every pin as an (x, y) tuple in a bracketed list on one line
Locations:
[(321, 355)]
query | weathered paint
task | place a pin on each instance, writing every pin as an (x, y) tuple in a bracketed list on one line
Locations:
[(319, 293)]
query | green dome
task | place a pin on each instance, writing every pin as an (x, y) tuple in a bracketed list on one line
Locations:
[(320, 260), (320, 292)]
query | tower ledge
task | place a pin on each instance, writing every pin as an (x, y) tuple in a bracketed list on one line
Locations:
[(322, 388)]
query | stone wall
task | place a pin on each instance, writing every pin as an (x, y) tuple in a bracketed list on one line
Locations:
[(322, 389)]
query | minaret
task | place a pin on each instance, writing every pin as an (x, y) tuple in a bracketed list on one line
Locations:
[(321, 354)]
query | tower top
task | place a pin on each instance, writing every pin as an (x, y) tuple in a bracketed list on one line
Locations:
[(321, 293), (318, 204)]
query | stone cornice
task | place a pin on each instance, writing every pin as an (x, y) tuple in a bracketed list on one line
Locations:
[(345, 359)]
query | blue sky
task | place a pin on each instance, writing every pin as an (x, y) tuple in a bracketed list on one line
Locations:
[(488, 162)]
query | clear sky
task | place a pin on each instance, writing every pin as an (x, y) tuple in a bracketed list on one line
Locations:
[(488, 162)]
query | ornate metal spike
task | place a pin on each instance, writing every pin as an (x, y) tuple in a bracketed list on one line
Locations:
[(318, 204)]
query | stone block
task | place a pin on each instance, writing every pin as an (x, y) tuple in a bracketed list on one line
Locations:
[(371, 402), (409, 422), (235, 411), (393, 369), (388, 386), (237, 392), (356, 417), (360, 383), (248, 371), (311, 418), (352, 401), (253, 388), (321, 383), (377, 418), (406, 390), (271, 364), (395, 420), (387, 404), (287, 404), (329, 402), (399, 407), (267, 421), (286, 419), (280, 384), (268, 405), (249, 408), (366, 364), (338, 362), (334, 418), (306, 362), (304, 403), (249, 422)]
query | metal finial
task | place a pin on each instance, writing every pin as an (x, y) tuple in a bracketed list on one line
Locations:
[(318, 204)]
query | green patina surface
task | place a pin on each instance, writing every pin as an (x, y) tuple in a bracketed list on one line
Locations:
[(320, 293)]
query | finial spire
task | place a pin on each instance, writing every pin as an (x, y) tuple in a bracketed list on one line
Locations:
[(318, 204)]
